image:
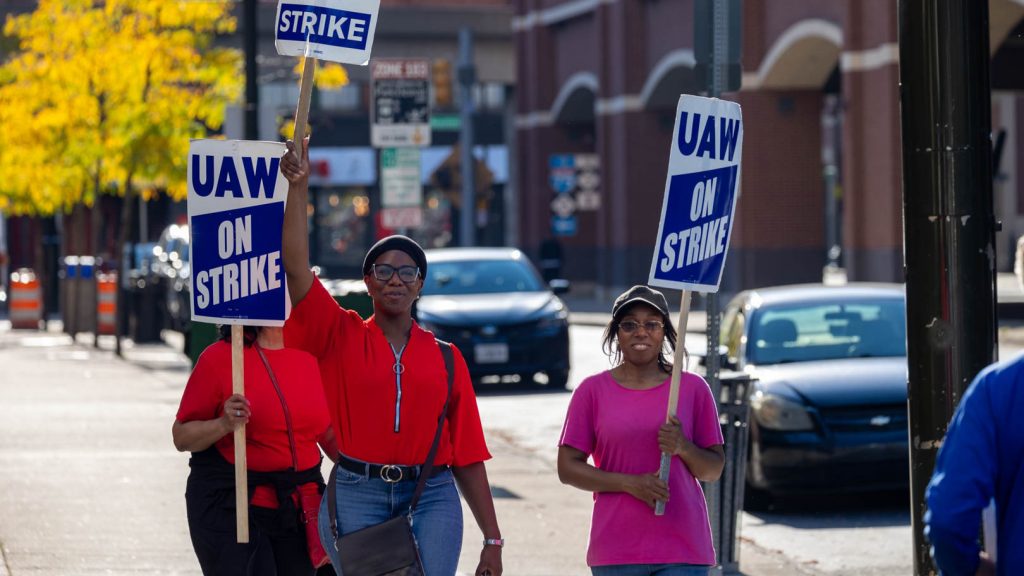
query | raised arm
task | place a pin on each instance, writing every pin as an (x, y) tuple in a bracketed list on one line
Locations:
[(295, 234)]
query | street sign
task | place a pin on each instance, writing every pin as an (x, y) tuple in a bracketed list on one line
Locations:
[(700, 195), (578, 177), (402, 217), (401, 103), (563, 226), (563, 205), (446, 122), (236, 198), (588, 182), (400, 182), (335, 30)]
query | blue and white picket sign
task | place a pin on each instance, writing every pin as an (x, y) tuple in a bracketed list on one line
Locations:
[(336, 30), (701, 190), (236, 199)]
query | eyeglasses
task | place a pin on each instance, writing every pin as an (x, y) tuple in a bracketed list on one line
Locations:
[(384, 272), (651, 326)]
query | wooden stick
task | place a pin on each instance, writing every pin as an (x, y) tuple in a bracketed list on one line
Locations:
[(673, 391), (241, 477), (302, 112)]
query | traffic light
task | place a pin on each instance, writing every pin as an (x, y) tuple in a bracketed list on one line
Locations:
[(441, 77)]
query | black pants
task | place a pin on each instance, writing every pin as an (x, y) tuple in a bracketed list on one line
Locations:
[(271, 551)]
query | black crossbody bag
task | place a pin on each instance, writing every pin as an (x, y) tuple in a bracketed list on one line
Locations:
[(388, 548)]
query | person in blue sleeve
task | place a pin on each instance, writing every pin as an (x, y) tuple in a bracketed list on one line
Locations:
[(981, 459)]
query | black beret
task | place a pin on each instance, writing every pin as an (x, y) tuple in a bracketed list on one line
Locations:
[(396, 242)]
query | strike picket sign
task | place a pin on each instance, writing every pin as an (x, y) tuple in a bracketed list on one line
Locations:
[(336, 30), (697, 212), (236, 199), (701, 190)]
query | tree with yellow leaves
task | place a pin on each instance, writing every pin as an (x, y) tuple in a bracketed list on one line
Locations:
[(103, 97)]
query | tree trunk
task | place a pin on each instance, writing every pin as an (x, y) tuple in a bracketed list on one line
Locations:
[(97, 250), (125, 259)]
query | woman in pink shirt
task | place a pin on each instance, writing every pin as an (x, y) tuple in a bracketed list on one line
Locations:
[(617, 417)]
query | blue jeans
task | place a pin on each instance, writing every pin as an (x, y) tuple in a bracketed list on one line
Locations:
[(650, 570), (436, 522)]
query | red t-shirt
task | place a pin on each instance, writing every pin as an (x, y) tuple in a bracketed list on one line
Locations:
[(266, 435), (357, 367)]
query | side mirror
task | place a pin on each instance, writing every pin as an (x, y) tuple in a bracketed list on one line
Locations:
[(559, 285)]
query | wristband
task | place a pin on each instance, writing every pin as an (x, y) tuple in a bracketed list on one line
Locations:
[(499, 542)]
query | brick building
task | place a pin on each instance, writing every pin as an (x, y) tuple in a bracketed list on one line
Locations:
[(819, 96)]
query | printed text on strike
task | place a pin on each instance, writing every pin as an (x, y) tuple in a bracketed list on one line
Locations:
[(234, 280), (699, 242)]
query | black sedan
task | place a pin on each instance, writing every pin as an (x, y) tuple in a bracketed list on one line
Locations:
[(829, 408), (493, 305)]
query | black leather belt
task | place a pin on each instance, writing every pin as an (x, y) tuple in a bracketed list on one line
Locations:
[(387, 472)]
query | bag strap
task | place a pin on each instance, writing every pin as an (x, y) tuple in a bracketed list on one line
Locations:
[(428, 466), (284, 405)]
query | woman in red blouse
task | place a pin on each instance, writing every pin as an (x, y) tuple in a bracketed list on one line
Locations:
[(386, 384), (207, 417)]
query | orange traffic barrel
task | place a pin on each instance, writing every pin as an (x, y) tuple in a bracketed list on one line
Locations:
[(106, 303), (26, 305)]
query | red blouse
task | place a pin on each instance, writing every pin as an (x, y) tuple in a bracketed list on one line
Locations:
[(373, 422), (266, 434)]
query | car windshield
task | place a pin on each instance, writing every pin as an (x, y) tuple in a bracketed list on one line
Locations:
[(826, 331), (481, 277)]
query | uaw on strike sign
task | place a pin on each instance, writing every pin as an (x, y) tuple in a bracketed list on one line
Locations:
[(236, 198), (700, 195)]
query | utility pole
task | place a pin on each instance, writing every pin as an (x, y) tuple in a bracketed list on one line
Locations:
[(467, 77), (949, 224), (717, 42)]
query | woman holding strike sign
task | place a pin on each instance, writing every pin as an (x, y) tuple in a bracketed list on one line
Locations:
[(393, 400), (285, 419), (617, 417)]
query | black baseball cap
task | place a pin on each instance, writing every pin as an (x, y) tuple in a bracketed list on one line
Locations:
[(640, 293), (396, 242)]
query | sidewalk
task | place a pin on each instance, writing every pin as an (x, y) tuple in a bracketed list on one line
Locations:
[(92, 484)]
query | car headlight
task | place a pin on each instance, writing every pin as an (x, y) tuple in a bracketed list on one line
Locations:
[(556, 316), (554, 321), (778, 413)]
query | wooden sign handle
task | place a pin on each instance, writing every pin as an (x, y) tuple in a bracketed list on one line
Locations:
[(241, 476), (302, 112), (673, 391)]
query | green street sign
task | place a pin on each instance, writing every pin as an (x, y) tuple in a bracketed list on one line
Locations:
[(445, 122)]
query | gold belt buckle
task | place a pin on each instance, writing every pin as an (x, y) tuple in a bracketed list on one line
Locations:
[(386, 473)]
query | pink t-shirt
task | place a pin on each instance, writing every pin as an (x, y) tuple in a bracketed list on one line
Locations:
[(618, 427)]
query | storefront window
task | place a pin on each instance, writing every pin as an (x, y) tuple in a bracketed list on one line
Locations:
[(341, 229)]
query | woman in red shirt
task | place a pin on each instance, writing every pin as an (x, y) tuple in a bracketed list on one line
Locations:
[(207, 417), (386, 384)]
